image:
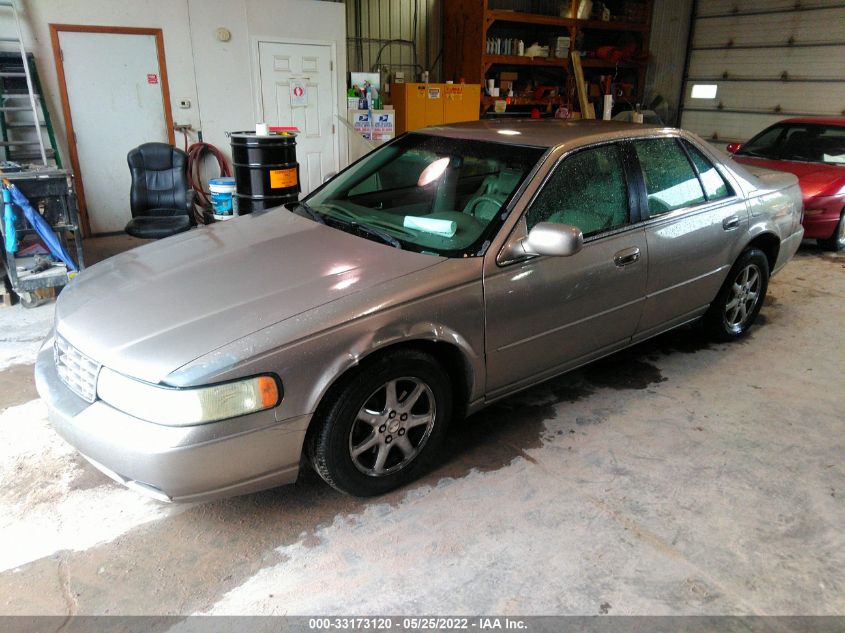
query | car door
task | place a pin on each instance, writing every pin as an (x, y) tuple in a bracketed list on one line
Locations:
[(693, 221), (547, 314)]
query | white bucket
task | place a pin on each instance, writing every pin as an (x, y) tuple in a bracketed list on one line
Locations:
[(222, 191)]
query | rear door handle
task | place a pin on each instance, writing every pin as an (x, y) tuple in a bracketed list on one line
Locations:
[(730, 223), (626, 257)]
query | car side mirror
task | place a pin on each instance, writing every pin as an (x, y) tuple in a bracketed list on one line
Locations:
[(733, 148), (553, 240)]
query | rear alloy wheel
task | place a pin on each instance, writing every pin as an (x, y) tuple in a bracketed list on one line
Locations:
[(836, 242), (739, 300), (382, 427)]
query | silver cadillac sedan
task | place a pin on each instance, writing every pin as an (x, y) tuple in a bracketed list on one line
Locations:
[(444, 271)]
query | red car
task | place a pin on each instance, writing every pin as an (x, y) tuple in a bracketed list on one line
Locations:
[(814, 150)]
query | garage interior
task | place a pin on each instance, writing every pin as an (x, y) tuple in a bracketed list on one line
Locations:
[(677, 477)]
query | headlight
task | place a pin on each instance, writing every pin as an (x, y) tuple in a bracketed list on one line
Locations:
[(186, 407)]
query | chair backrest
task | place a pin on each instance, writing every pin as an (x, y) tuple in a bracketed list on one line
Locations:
[(159, 178)]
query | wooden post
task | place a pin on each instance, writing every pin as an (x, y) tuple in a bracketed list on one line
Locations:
[(587, 110)]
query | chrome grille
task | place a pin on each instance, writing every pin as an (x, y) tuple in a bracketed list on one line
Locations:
[(76, 370)]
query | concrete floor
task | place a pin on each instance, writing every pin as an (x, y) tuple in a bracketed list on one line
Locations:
[(674, 478)]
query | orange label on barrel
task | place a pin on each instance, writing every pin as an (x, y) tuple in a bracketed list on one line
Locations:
[(282, 178)]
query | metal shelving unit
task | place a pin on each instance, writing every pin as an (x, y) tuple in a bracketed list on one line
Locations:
[(51, 193)]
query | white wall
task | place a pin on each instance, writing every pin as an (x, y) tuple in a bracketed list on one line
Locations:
[(215, 76), (224, 70)]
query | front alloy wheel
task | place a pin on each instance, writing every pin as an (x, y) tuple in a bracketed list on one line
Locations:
[(392, 426), (382, 424)]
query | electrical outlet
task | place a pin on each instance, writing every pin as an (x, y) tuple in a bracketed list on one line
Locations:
[(185, 103)]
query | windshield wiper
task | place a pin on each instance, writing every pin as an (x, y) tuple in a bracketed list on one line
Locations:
[(364, 230), (309, 212), (384, 236)]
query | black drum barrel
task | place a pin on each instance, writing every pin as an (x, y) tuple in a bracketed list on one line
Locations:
[(266, 171)]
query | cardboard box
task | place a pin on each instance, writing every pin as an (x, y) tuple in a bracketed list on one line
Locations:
[(508, 76)]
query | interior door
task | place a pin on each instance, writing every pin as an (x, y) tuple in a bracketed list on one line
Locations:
[(296, 90), (547, 314), (116, 103)]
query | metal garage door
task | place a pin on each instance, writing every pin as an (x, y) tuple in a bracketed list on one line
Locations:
[(766, 60)]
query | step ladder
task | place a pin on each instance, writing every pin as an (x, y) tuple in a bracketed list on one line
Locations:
[(20, 92)]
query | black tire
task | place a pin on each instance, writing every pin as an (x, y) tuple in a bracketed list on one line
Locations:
[(356, 412), (835, 242), (720, 321)]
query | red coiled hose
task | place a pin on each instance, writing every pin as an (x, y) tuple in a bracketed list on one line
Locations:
[(195, 155)]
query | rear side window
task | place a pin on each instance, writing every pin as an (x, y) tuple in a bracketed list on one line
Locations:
[(587, 190), (670, 180), (714, 185)]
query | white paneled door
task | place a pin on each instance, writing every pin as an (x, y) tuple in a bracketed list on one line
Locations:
[(114, 92), (296, 90)]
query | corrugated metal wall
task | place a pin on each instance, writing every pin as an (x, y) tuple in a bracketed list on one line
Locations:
[(670, 20), (770, 59), (391, 35)]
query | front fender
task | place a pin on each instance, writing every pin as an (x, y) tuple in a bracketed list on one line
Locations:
[(312, 351)]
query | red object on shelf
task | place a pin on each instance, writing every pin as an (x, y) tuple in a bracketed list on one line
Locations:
[(535, 113), (616, 54), (542, 91)]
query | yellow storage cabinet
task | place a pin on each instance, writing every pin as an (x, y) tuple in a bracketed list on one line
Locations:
[(421, 105)]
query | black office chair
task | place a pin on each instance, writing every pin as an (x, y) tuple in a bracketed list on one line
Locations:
[(160, 200)]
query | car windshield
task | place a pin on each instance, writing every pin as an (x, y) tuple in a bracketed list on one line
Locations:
[(810, 143), (429, 194)]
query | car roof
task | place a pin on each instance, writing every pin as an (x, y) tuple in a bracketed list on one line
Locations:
[(542, 132), (820, 120)]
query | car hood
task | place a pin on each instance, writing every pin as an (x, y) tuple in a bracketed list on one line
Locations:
[(151, 310), (815, 179)]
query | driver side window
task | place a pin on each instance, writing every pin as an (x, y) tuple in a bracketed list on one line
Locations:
[(587, 190)]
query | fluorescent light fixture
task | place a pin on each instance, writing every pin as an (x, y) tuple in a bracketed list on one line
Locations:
[(704, 91)]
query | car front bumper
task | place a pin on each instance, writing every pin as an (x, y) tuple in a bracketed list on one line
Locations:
[(183, 464)]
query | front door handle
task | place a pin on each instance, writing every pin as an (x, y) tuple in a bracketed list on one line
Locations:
[(626, 257), (730, 223)]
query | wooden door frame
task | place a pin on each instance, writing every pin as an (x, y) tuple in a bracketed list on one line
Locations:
[(55, 29)]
